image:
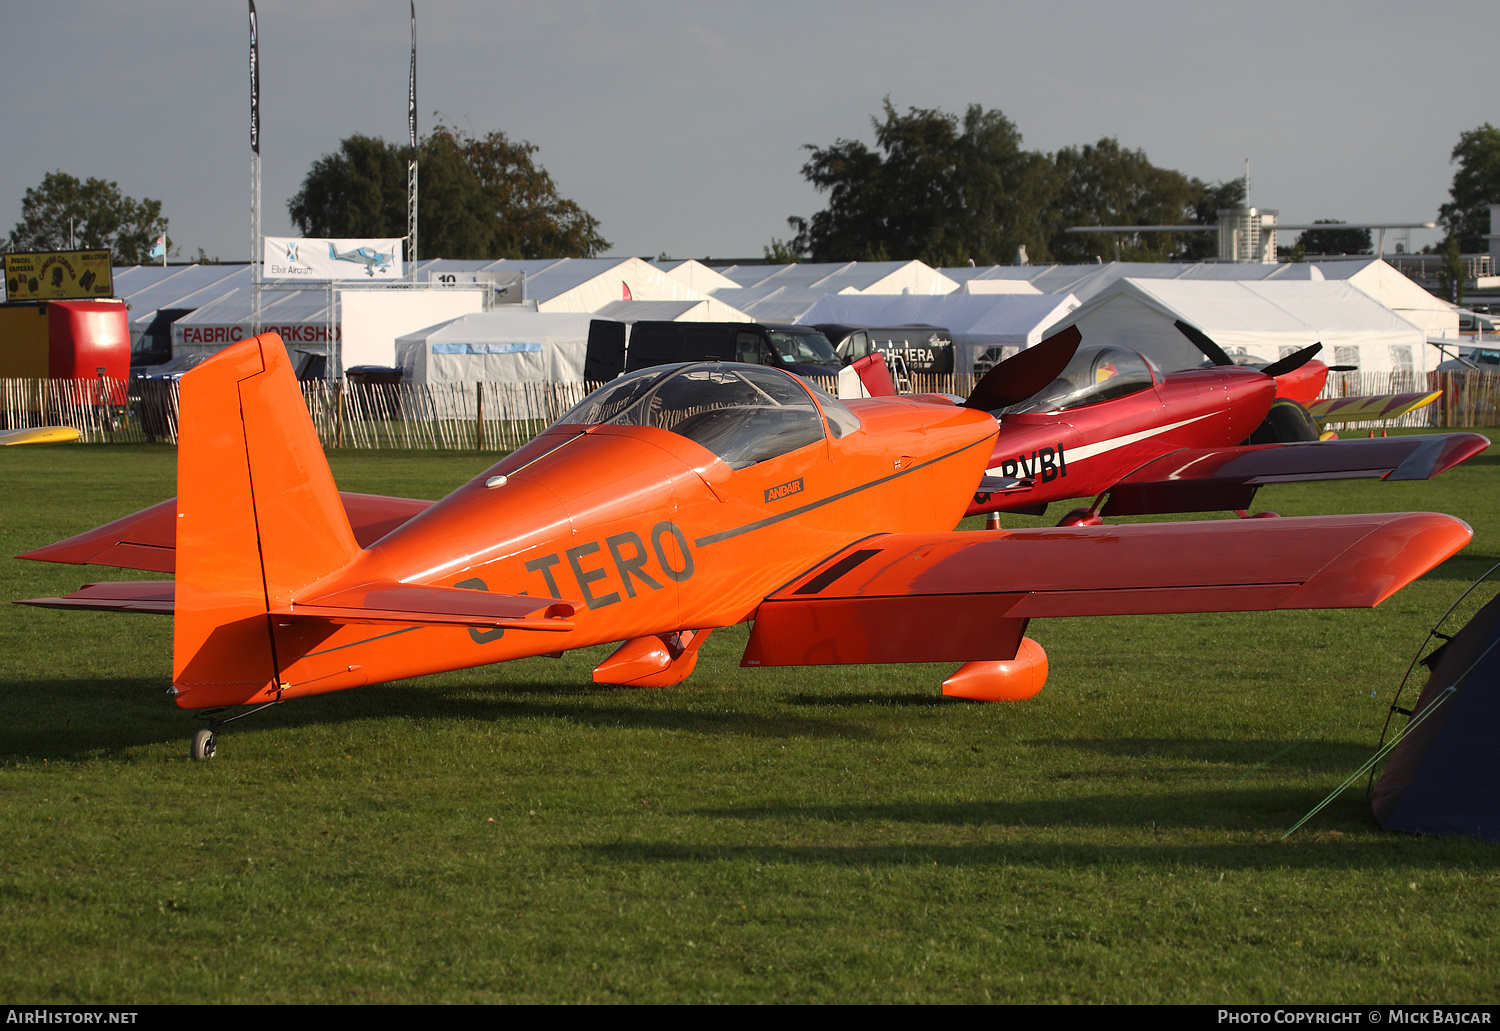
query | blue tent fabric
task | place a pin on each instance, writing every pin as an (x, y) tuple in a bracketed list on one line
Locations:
[(1444, 776)]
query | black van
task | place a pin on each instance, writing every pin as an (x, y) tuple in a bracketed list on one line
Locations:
[(800, 350), (926, 349)]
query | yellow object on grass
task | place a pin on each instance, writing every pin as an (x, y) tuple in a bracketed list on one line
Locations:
[(39, 435)]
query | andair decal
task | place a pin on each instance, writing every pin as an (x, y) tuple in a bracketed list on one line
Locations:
[(784, 490)]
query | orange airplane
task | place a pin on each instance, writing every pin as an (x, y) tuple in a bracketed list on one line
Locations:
[(669, 502)]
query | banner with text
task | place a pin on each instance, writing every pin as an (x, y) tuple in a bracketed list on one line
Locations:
[(291, 257), (58, 275)]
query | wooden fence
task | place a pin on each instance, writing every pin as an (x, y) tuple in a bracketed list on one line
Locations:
[(503, 416)]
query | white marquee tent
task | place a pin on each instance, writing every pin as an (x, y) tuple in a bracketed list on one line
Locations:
[(1087, 281), (980, 324), (781, 293), (1432, 315), (1264, 319), (497, 346), (706, 310)]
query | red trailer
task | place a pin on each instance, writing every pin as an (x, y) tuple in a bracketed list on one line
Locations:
[(67, 340)]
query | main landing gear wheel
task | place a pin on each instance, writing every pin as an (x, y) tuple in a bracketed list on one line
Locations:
[(205, 744)]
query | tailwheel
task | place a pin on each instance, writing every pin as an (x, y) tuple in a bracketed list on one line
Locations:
[(205, 744)]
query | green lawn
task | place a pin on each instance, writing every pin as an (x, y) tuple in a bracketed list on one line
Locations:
[(514, 833)]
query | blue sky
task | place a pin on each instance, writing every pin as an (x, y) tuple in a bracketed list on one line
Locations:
[(680, 125)]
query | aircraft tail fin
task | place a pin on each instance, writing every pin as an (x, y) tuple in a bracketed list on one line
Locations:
[(258, 518)]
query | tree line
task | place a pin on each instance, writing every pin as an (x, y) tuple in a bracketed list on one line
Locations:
[(935, 186), (948, 190), (480, 197)]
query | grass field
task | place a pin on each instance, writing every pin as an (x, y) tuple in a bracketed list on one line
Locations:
[(514, 833)]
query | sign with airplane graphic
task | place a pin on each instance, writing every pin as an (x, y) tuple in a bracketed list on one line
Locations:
[(322, 259)]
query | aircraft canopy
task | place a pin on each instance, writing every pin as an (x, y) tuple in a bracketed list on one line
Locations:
[(1094, 374), (742, 413)]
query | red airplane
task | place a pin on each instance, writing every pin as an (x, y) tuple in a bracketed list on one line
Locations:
[(1112, 426), (669, 502)]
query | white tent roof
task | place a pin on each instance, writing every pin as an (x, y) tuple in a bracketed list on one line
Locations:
[(697, 275), (977, 322), (1087, 281), (1265, 319), (995, 318), (706, 310), (147, 288), (997, 286), (1376, 277), (781, 293), (871, 277)]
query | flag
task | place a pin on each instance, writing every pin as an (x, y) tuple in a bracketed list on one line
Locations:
[(159, 247), (254, 81), (411, 85)]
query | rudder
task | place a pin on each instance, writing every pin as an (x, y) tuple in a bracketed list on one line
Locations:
[(258, 517)]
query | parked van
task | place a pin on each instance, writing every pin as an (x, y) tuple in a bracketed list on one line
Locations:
[(615, 347)]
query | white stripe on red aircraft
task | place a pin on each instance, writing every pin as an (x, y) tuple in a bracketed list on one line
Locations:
[(1097, 448)]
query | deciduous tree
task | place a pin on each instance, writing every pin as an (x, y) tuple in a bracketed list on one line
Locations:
[(947, 191), (1335, 241), (479, 197), (1476, 185), (936, 188), (89, 214)]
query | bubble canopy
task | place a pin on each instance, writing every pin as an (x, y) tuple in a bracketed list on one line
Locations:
[(743, 413), (1095, 374)]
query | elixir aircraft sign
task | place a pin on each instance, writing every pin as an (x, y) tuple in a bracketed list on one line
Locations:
[(290, 257)]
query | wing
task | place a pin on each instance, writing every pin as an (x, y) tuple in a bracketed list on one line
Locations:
[(39, 435), (964, 596), (1378, 406), (1214, 479), (148, 539), (378, 603)]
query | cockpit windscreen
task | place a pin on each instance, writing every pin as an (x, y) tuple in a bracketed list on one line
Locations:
[(743, 413), (1095, 374)]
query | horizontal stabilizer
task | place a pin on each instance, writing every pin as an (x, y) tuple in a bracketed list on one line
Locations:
[(151, 596), (1002, 485), (1212, 479), (1378, 406), (371, 603), (964, 596), (438, 606), (148, 539)]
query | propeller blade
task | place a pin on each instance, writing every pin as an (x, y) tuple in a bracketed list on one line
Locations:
[(1202, 342), (1293, 361), (1021, 375), (1343, 368)]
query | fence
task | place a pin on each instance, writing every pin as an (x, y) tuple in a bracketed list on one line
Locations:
[(97, 408), (503, 416)]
